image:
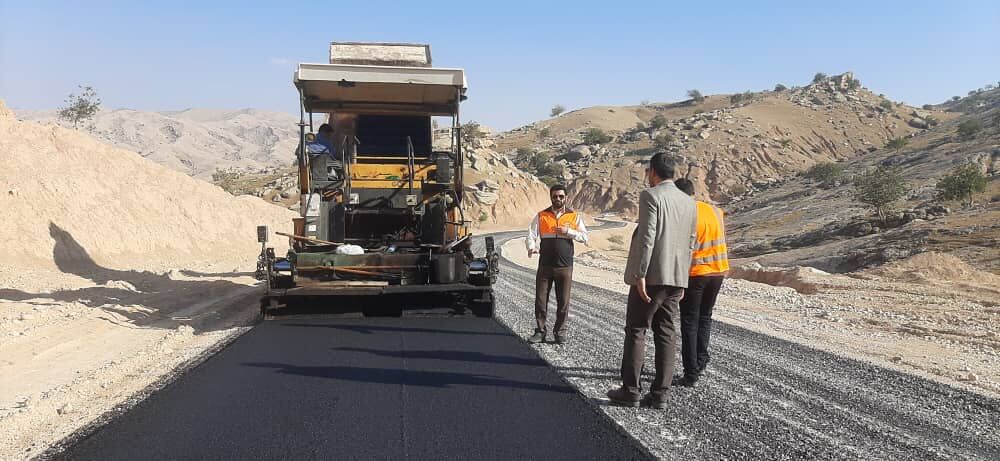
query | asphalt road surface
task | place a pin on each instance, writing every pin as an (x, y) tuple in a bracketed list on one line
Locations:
[(431, 387), (380, 388)]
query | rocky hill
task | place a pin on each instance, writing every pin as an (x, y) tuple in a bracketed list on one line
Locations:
[(196, 142), (802, 222), (731, 145)]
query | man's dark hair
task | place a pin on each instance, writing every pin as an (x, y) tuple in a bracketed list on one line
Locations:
[(661, 165), (685, 185), (325, 128), (556, 187)]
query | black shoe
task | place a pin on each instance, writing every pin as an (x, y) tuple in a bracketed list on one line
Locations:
[(622, 398), (657, 401), (538, 337), (560, 339), (686, 381)]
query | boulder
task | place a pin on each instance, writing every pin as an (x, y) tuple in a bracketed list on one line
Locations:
[(918, 122), (577, 153)]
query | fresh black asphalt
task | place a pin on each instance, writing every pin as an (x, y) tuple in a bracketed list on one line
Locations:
[(375, 388), (434, 387)]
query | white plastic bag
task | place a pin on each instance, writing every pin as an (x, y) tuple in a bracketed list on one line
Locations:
[(350, 250)]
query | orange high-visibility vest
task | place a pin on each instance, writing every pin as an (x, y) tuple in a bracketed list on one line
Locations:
[(547, 222), (710, 256)]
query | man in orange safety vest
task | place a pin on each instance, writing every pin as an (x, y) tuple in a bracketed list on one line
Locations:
[(709, 266)]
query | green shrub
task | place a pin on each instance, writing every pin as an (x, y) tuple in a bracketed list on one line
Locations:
[(639, 126), (885, 104), (897, 143), (969, 128), (483, 216), (962, 183), (557, 110), (785, 143), (818, 77), (544, 133), (879, 188), (779, 87), (596, 136), (657, 122), (853, 84), (927, 107), (826, 173)]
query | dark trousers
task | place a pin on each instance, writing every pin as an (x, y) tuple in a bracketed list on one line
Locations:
[(696, 321), (562, 278), (660, 315)]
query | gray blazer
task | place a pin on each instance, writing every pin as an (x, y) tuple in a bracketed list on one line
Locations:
[(663, 240)]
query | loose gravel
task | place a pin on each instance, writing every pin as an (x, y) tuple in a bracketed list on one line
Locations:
[(761, 397)]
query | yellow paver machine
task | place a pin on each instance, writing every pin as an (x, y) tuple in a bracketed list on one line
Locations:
[(381, 224)]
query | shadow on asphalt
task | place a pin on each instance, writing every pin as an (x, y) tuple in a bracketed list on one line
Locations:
[(408, 377), (373, 329), (464, 356)]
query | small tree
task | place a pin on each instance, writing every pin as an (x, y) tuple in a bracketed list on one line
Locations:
[(879, 188), (557, 110), (695, 96), (826, 173), (897, 143), (779, 88), (819, 77), (80, 107), (853, 84), (969, 128), (471, 131), (885, 104), (596, 136), (962, 183), (956, 98), (657, 122), (927, 107)]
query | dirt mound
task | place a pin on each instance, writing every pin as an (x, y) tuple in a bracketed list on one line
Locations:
[(69, 199), (802, 279), (934, 267)]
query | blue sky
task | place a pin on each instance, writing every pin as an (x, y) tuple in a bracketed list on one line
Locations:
[(521, 58)]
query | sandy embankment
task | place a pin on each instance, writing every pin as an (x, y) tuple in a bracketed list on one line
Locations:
[(945, 327), (114, 271)]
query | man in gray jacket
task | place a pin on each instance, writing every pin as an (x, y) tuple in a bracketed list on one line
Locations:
[(659, 259)]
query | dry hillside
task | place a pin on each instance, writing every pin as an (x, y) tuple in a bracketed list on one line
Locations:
[(196, 141), (801, 222), (730, 145), (114, 270)]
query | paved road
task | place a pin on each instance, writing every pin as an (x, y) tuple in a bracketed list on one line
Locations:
[(765, 398), (383, 388), (449, 388)]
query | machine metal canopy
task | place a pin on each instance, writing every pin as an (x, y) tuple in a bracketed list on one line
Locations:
[(346, 88)]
